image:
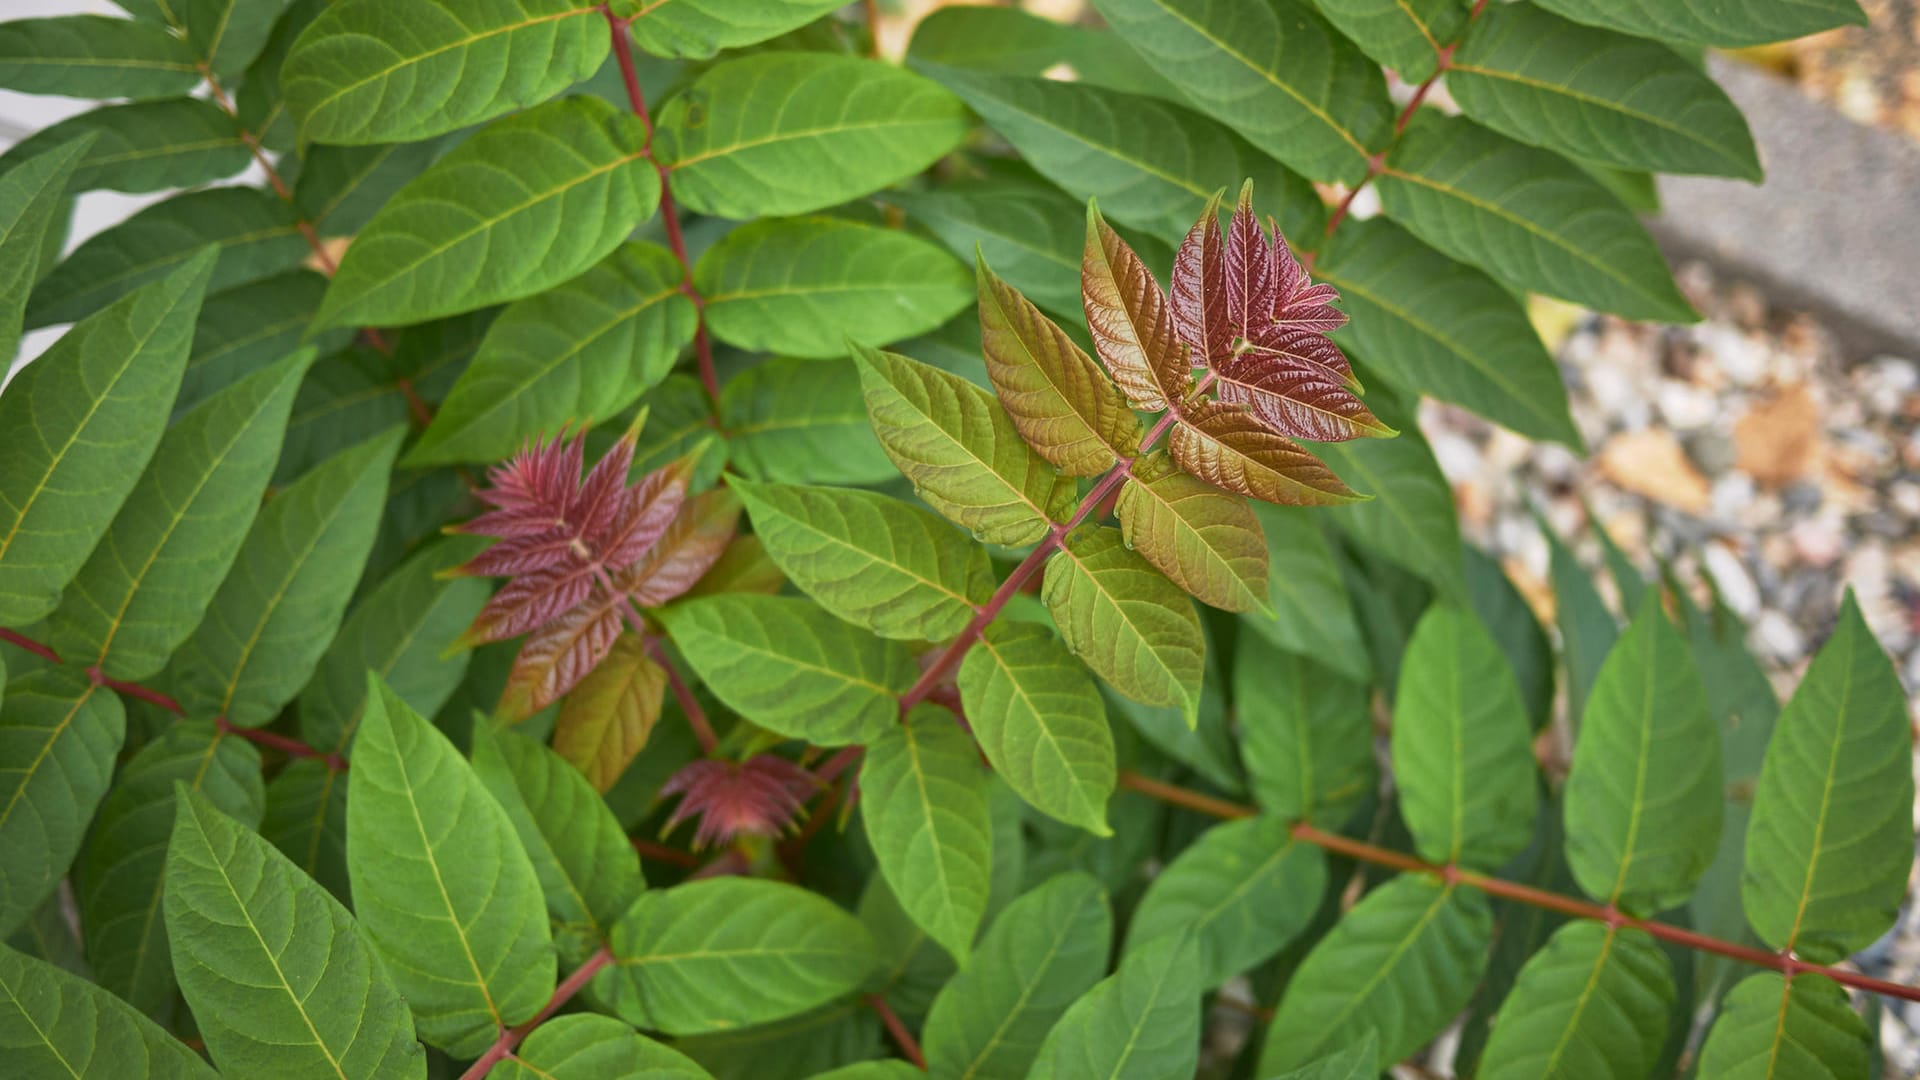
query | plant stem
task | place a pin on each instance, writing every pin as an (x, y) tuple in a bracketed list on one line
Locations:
[(1454, 874), (669, 213), (647, 849), (510, 1037), (150, 696), (286, 744), (689, 705), (901, 1036), (984, 615), (44, 652)]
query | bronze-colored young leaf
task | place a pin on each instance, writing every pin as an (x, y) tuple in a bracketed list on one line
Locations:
[(607, 718), (1290, 385), (1228, 448), (560, 653), (685, 552), (1126, 621), (1205, 539), (1060, 401), (1132, 326)]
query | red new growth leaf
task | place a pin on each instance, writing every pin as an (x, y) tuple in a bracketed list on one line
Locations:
[(1131, 324), (582, 552), (762, 796), (1245, 305)]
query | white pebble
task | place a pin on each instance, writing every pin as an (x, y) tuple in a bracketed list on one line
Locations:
[(1732, 580)]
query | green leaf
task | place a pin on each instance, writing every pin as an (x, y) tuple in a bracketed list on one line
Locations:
[(1244, 890), (578, 353), (870, 559), (399, 631), (680, 422), (93, 56), (1040, 722), (793, 132), (1356, 1061), (256, 234), (47, 936), (1205, 745), (368, 71), (1271, 70), (1061, 402), (244, 329), (226, 35), (924, 803), (1040, 955), (56, 1024), (806, 286), (1405, 35), (1587, 628), (144, 587), (306, 818), (1806, 1028), (1410, 519), (258, 103), (1594, 1002), (1527, 216), (607, 718), (961, 450), (1506, 614), (1462, 746), (340, 188), (728, 952), (270, 623), (1702, 22), (1031, 232), (120, 876), (83, 420), (1598, 96), (1313, 613), (1009, 41), (697, 29), (278, 976), (787, 665), (1643, 793), (1436, 327), (796, 1048), (1832, 830), (802, 421), (145, 146), (1140, 1023), (1400, 965), (523, 204), (59, 736), (1151, 165), (1132, 626), (440, 882), (586, 867), (1206, 540), (1306, 735), (588, 1047), (33, 228)]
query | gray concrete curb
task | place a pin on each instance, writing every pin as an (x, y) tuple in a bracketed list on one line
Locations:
[(1836, 227)]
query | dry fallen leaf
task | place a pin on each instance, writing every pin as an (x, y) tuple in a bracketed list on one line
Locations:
[(1650, 463), (1778, 441)]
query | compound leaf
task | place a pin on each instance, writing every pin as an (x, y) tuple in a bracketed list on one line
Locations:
[(1830, 839), (1462, 745), (793, 132), (368, 71), (924, 803), (276, 972), (787, 665), (441, 883), (871, 560), (525, 203), (82, 423), (806, 286), (731, 952)]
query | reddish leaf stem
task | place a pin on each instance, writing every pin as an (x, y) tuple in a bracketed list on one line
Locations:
[(837, 764), (286, 744), (689, 705), (45, 652), (984, 615), (647, 849), (901, 1036), (1574, 907), (510, 1038), (669, 213), (150, 696)]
